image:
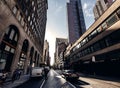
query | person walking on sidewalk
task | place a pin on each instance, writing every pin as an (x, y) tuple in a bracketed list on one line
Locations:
[(19, 74), (45, 72), (15, 75)]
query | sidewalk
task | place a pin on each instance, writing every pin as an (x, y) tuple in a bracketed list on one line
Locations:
[(109, 80), (100, 79), (9, 84)]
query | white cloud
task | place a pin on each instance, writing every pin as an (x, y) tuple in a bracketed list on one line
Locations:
[(87, 8), (67, 0), (59, 8)]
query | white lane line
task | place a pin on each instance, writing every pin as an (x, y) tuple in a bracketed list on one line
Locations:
[(42, 84), (71, 85)]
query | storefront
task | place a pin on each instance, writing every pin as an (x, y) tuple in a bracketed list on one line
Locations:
[(7, 47)]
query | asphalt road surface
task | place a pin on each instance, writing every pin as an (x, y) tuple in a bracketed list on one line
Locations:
[(56, 81), (32, 83)]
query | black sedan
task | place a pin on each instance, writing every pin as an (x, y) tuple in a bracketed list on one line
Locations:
[(70, 74)]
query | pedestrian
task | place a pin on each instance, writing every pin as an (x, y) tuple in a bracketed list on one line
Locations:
[(15, 75), (19, 74), (45, 73)]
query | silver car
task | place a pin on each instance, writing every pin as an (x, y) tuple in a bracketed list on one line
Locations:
[(37, 72)]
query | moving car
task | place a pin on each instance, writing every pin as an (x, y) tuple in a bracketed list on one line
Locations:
[(70, 75), (36, 72)]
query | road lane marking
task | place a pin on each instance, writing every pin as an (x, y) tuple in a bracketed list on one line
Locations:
[(42, 84), (71, 85)]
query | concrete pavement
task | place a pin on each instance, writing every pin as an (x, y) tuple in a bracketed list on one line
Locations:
[(9, 83), (93, 79), (90, 81), (97, 83)]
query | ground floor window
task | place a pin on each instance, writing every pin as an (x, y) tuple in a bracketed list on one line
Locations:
[(6, 59), (22, 60)]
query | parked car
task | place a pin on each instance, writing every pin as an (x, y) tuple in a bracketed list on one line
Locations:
[(70, 74), (36, 72)]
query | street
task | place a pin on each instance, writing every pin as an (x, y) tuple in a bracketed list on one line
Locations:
[(80, 35), (55, 80), (32, 83), (59, 43)]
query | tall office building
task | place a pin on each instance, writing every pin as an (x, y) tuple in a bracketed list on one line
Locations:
[(76, 24), (22, 31), (100, 7), (61, 44), (46, 52)]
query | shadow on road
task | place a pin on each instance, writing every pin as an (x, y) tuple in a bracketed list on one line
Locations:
[(31, 83)]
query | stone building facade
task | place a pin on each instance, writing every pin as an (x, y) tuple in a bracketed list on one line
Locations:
[(22, 31)]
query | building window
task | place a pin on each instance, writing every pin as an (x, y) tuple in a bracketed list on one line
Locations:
[(22, 22), (26, 12), (111, 20), (96, 46), (19, 17), (99, 30), (93, 34), (34, 19), (7, 48), (32, 15), (32, 3), (29, 18), (34, 8), (26, 1), (30, 23), (16, 37), (102, 43), (12, 34), (25, 28), (15, 10), (92, 49), (28, 32), (104, 26), (118, 13), (12, 50), (115, 37)]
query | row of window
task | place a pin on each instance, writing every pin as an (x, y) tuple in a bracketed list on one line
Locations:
[(107, 23), (34, 24), (21, 20), (107, 41)]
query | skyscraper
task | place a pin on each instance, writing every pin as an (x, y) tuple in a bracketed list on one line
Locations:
[(76, 24), (100, 7), (22, 31), (46, 52), (61, 44)]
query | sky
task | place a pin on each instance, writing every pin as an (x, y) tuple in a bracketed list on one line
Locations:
[(57, 21)]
